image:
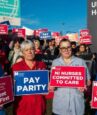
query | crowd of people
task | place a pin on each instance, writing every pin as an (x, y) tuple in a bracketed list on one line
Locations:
[(35, 54)]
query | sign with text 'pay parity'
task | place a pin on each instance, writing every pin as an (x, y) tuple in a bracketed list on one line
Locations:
[(31, 82)]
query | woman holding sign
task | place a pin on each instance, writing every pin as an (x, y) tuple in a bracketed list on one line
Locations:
[(67, 100), (29, 104)]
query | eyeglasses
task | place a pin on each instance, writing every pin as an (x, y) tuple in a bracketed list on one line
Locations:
[(66, 48)]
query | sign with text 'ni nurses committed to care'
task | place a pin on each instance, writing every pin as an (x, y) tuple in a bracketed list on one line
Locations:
[(31, 82), (69, 76)]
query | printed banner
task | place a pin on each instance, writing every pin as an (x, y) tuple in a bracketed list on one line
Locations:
[(84, 32), (31, 82), (86, 40), (20, 32), (3, 29), (45, 35), (6, 90), (67, 76), (55, 34), (94, 95), (37, 32)]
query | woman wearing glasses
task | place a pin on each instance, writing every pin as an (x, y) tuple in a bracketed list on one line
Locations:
[(69, 101)]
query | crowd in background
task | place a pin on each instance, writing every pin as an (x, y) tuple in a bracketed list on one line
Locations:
[(45, 51)]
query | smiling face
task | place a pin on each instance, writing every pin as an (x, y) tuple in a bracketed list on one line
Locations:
[(65, 49)]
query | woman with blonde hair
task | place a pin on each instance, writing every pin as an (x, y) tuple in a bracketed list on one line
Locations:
[(37, 47)]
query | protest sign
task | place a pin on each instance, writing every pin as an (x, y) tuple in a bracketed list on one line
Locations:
[(31, 82), (20, 32), (94, 95), (45, 35), (6, 90), (62, 76), (86, 40), (3, 29), (55, 34), (37, 32), (85, 37), (84, 32)]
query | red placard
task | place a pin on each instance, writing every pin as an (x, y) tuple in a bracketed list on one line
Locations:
[(6, 90), (86, 40), (84, 32), (3, 29), (54, 34), (94, 95), (62, 76), (37, 32), (20, 32)]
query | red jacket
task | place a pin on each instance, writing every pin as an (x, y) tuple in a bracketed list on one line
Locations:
[(29, 104)]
